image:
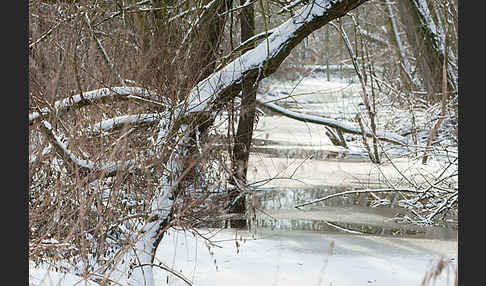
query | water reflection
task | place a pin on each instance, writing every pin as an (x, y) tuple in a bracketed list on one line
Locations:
[(349, 214), (287, 198)]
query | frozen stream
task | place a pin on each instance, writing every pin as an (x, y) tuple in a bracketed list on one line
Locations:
[(338, 242)]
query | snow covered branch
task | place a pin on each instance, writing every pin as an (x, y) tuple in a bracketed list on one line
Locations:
[(136, 263), (289, 7), (375, 38), (430, 43), (109, 169), (142, 257), (266, 57), (244, 45), (120, 121), (121, 11), (80, 100), (389, 137), (321, 68), (102, 50)]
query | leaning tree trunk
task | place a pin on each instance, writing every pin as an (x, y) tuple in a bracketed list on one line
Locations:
[(205, 41), (211, 94)]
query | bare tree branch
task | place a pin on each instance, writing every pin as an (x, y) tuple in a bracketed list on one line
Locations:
[(109, 169)]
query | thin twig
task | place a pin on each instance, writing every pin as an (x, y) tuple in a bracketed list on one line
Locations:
[(358, 192), (168, 269), (102, 50), (109, 169)]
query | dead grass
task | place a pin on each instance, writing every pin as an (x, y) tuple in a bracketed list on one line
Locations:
[(443, 267)]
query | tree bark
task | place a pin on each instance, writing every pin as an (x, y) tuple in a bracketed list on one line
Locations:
[(211, 34), (429, 46), (393, 35), (244, 133)]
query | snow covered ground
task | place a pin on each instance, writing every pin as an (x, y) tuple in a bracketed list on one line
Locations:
[(288, 258), (299, 258), (46, 276)]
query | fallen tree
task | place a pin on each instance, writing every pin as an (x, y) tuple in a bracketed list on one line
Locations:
[(389, 137)]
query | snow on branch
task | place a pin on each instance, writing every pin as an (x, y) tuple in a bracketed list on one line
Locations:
[(393, 138), (120, 121), (246, 4), (250, 41), (102, 50), (373, 37), (122, 11), (209, 7), (289, 7), (64, 105), (109, 169), (267, 56), (321, 68)]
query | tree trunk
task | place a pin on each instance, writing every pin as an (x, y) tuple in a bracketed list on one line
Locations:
[(210, 35), (428, 44), (394, 37), (244, 133)]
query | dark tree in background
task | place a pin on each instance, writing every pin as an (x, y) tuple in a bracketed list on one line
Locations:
[(244, 133)]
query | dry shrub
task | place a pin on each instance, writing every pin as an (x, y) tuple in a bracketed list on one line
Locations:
[(81, 215)]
